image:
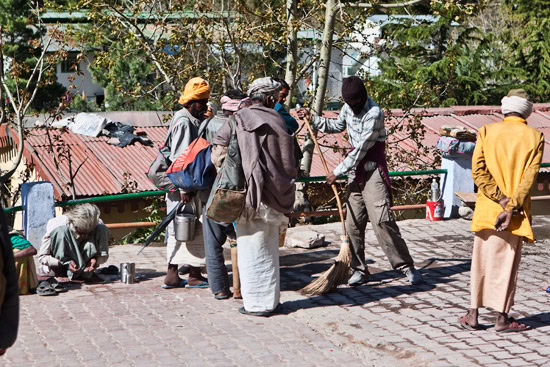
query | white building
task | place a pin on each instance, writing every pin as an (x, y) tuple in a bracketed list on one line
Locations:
[(83, 81)]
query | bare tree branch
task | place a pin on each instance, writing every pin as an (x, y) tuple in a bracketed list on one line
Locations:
[(382, 6)]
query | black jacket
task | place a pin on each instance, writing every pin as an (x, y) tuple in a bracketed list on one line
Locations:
[(9, 304)]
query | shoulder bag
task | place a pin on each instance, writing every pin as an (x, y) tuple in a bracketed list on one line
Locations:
[(157, 170), (228, 195)]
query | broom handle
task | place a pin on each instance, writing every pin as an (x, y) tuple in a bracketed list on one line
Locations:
[(338, 202)]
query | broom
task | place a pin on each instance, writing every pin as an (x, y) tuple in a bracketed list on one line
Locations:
[(339, 271)]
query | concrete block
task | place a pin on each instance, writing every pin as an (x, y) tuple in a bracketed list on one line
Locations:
[(38, 209), (304, 239)]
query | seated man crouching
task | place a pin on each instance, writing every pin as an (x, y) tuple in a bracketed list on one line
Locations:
[(75, 244)]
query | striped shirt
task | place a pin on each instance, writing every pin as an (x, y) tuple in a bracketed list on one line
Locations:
[(364, 130)]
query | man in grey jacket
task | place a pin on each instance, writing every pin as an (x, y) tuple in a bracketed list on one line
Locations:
[(269, 167)]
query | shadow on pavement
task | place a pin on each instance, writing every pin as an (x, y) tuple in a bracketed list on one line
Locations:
[(307, 257), (371, 292), (536, 321), (147, 274)]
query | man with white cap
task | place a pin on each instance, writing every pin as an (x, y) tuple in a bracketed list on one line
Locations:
[(267, 151), (505, 165)]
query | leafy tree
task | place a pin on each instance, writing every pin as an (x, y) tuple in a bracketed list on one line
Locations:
[(435, 61), (27, 72), (147, 50), (126, 76), (21, 34), (528, 35)]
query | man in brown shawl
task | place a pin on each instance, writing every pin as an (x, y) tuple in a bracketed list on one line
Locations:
[(267, 152)]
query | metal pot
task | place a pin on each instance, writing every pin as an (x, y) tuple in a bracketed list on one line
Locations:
[(128, 273), (184, 226)]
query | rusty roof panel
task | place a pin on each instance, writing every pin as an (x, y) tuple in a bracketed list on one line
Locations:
[(108, 168), (476, 121), (539, 120), (102, 166)]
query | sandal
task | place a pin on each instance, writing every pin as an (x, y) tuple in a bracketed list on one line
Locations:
[(261, 313), (109, 270), (203, 284), (514, 327), (58, 287), (45, 289), (223, 295)]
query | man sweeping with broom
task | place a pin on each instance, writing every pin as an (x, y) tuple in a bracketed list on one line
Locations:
[(369, 187)]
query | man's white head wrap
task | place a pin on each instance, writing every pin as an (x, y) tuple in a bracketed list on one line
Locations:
[(267, 86), (517, 100)]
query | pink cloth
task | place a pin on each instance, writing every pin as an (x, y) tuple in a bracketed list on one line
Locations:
[(229, 104)]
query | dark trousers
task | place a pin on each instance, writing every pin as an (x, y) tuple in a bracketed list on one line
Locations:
[(215, 235), (370, 202)]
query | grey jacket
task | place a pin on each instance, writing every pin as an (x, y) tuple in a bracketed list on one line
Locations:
[(184, 128), (212, 126)]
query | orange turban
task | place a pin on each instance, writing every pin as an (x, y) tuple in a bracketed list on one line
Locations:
[(195, 89)]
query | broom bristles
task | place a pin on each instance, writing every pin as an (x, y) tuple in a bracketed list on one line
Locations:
[(334, 276)]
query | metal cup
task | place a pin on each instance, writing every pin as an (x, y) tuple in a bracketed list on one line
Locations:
[(128, 273)]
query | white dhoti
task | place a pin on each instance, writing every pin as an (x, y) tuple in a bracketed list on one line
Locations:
[(258, 248), (179, 252)]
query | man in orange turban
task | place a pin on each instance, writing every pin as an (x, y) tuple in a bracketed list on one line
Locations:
[(195, 97), (184, 128)]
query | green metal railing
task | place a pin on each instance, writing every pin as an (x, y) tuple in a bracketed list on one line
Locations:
[(392, 174), (102, 199), (108, 198)]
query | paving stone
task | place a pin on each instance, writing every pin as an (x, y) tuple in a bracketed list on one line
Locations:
[(385, 323)]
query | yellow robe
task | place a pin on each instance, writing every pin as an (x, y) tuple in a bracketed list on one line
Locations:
[(505, 163), (26, 273)]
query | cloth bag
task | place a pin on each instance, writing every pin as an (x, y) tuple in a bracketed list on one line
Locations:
[(193, 170), (228, 195), (157, 170)]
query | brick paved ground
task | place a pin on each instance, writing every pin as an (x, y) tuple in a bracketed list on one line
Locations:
[(386, 322)]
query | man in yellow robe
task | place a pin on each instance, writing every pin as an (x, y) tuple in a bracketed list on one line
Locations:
[(505, 165)]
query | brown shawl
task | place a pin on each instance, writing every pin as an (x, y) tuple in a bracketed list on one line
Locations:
[(267, 151)]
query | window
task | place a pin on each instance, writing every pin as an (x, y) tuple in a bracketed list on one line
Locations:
[(70, 64)]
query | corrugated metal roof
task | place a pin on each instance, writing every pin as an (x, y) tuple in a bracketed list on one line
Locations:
[(471, 117), (106, 168)]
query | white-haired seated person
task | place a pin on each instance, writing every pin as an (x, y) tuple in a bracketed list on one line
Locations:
[(75, 244)]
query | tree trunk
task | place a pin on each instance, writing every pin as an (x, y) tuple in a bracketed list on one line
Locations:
[(292, 53), (324, 65), (301, 203)]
